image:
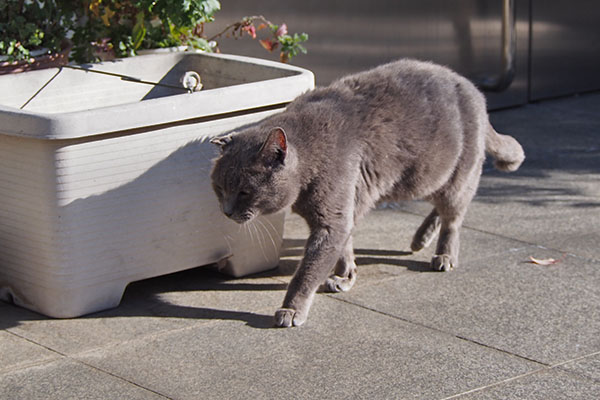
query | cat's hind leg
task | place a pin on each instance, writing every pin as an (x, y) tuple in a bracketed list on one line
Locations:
[(427, 232), (345, 271), (452, 205)]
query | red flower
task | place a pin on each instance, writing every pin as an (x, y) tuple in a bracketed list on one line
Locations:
[(282, 30), (251, 30)]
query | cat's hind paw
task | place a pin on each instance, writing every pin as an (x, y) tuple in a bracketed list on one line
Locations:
[(337, 284), (288, 317), (427, 232), (442, 262), (420, 242)]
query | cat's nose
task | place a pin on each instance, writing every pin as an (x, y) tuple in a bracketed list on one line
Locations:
[(228, 209)]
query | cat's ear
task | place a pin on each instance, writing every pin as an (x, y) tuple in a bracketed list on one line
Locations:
[(274, 149), (221, 141)]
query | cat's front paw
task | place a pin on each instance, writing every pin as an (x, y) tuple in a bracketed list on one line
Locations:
[(288, 317), (442, 262), (336, 283)]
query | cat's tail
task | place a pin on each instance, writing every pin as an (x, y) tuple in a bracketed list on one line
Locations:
[(506, 151)]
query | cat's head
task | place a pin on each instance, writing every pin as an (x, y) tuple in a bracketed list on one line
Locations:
[(255, 173)]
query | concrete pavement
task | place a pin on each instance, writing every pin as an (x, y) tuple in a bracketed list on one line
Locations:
[(497, 327)]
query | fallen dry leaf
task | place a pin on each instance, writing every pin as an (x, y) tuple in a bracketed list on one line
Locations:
[(544, 261)]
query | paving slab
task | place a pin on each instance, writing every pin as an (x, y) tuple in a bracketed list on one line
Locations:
[(17, 353), (68, 379), (343, 351), (569, 225), (71, 336), (554, 199), (559, 134), (559, 212), (155, 305), (585, 366), (549, 314), (382, 245), (547, 384)]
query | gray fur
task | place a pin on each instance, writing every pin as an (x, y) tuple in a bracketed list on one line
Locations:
[(404, 130)]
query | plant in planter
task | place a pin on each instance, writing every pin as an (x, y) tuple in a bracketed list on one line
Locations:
[(277, 37), (34, 34), (104, 29)]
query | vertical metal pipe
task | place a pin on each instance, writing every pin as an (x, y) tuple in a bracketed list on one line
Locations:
[(503, 80)]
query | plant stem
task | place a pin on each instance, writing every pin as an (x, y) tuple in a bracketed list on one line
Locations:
[(236, 24)]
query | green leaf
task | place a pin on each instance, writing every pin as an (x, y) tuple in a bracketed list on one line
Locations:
[(208, 9), (200, 43), (139, 30), (11, 48)]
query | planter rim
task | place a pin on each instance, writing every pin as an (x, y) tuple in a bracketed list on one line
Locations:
[(102, 120)]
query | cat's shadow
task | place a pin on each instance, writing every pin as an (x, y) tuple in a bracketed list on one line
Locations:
[(365, 257), (294, 248)]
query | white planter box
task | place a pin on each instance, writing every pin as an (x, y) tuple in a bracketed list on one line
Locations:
[(105, 181)]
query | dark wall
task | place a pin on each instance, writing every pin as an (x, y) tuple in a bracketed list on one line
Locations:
[(349, 35)]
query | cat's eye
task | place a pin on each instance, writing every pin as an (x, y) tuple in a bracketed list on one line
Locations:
[(243, 194)]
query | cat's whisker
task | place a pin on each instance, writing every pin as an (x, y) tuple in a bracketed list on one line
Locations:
[(270, 224), (254, 232), (248, 232), (259, 236), (228, 240), (268, 232), (256, 235), (263, 237)]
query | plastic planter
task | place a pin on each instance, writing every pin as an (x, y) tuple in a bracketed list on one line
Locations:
[(104, 177)]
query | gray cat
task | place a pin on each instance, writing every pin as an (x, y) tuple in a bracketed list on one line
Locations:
[(404, 130)]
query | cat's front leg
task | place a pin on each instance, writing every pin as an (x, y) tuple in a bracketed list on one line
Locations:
[(323, 248), (345, 273)]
